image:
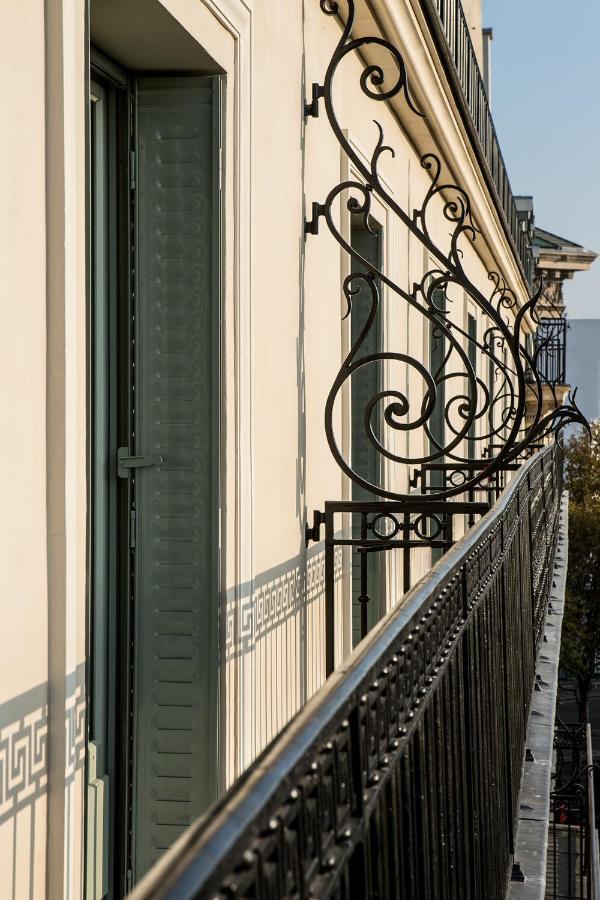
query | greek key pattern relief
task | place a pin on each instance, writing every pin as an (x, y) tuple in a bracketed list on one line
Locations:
[(75, 728), (24, 742), (279, 594), (23, 761)]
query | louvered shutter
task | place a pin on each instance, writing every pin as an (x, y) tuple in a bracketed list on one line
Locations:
[(176, 418), (365, 383)]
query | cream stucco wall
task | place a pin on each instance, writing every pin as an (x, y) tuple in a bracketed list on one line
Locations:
[(66, 335), (23, 573), (283, 343)]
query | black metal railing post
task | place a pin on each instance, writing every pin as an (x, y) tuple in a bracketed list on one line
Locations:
[(470, 810), (507, 588)]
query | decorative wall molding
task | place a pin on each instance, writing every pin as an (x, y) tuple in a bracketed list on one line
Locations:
[(24, 744), (273, 598)]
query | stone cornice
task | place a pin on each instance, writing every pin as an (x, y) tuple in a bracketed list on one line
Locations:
[(565, 260)]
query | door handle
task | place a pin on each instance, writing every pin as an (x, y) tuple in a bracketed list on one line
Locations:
[(125, 462)]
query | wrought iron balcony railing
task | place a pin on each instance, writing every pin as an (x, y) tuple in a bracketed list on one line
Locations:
[(551, 350), (400, 778), (451, 31)]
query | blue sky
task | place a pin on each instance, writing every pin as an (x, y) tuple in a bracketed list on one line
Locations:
[(546, 108)]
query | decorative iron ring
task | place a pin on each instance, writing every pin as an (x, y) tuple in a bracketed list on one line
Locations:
[(385, 536)]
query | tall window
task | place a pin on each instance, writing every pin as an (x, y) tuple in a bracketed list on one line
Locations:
[(437, 420), (492, 387), (437, 357), (472, 355), (365, 383)]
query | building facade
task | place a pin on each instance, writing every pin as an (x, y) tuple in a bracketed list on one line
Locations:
[(583, 363), (171, 334), (556, 261)]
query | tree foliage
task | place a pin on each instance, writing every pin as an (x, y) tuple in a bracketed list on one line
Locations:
[(582, 466), (581, 626)]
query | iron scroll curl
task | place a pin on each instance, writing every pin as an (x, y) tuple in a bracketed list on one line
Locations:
[(502, 415)]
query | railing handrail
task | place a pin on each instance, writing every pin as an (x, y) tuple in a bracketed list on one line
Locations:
[(244, 811), (449, 18)]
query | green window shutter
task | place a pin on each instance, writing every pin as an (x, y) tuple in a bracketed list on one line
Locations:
[(175, 418), (472, 354), (365, 383), (437, 421)]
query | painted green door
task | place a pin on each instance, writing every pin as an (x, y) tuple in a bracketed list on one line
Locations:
[(175, 422)]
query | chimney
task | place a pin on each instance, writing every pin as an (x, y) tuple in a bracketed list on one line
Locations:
[(488, 37), (473, 14)]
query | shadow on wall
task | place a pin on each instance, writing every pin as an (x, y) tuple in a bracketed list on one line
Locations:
[(277, 595), (281, 627), (23, 781)]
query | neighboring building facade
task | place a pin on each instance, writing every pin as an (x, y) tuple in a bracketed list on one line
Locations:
[(583, 364), (556, 261), (168, 344)]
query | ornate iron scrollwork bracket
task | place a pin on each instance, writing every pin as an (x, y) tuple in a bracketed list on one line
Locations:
[(474, 412), (313, 533), (442, 416), (311, 226), (312, 108)]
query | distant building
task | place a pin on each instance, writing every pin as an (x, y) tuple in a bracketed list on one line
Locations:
[(557, 260), (583, 364)]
